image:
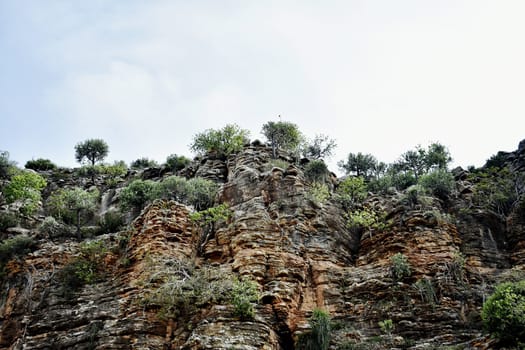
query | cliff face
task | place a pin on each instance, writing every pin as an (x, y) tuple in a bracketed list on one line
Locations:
[(302, 256)]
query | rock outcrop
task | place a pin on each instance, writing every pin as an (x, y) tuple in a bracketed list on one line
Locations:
[(302, 256)]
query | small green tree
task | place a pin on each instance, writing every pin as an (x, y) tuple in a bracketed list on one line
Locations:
[(40, 164), (439, 183), (358, 164), (351, 190), (25, 186), (400, 267), (321, 146), (92, 150), (73, 204), (243, 296), (282, 135), (137, 193), (503, 313), (414, 161), (225, 141), (437, 157), (6, 165), (316, 170), (143, 163), (176, 163)]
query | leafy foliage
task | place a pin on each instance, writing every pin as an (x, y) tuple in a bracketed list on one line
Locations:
[(387, 326), (319, 336), (503, 313), (92, 150), (71, 204), (211, 215), (426, 291), (53, 228), (6, 165), (112, 221), (137, 193), (358, 220), (143, 163), (230, 139), (358, 164), (243, 295), (351, 191), (321, 146), (40, 164), (420, 161), (12, 247), (316, 170), (400, 267), (176, 163), (25, 186), (7, 220), (197, 191), (439, 183), (282, 135), (318, 193)]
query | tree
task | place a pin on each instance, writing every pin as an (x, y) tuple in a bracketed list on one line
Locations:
[(137, 194), (225, 141), (282, 135), (143, 163), (320, 147), (176, 163), (92, 150), (73, 202), (358, 164), (40, 164), (437, 157), (5, 165), (25, 186), (316, 170), (414, 161), (439, 183)]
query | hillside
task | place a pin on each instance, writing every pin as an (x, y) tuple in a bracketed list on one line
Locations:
[(393, 268)]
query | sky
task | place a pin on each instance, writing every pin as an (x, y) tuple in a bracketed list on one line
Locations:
[(378, 76)]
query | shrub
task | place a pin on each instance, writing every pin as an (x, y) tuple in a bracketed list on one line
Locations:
[(7, 220), (497, 190), (351, 190), (143, 163), (320, 147), (176, 163), (25, 186), (114, 172), (359, 220), (40, 164), (415, 195), (426, 291), (503, 313), (319, 336), (12, 247), (137, 193), (230, 139), (316, 171), (211, 215), (439, 182), (318, 193), (111, 222), (6, 165), (53, 228), (243, 295), (201, 193), (399, 268), (387, 326)]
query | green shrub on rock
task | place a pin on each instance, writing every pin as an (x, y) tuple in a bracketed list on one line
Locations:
[(316, 171), (137, 193), (503, 313), (40, 164), (320, 332), (25, 186), (439, 183), (7, 220), (400, 267)]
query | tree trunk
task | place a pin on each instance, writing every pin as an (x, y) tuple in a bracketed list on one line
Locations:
[(79, 235)]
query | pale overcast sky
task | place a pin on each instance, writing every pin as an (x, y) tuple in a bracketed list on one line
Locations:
[(380, 77)]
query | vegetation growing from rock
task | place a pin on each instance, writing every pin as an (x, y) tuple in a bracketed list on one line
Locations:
[(25, 187), (282, 135), (15, 247), (400, 267), (137, 193), (175, 162), (503, 313), (92, 151), (228, 140), (351, 191), (6, 165), (143, 163), (358, 164), (40, 164), (321, 146), (439, 183), (316, 171), (320, 332)]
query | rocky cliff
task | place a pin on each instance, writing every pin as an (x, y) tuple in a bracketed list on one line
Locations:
[(302, 256)]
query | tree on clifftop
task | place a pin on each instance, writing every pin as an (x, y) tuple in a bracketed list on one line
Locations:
[(93, 150), (225, 141), (282, 135)]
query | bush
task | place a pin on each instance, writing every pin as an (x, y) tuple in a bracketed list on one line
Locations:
[(387, 326), (16, 246), (225, 141), (359, 220), (143, 163), (40, 164), (318, 193), (53, 228), (176, 163), (201, 193), (25, 186), (282, 135), (351, 190), (426, 291), (111, 222), (503, 313), (415, 195), (439, 182), (400, 268), (137, 193), (319, 336), (243, 295), (7, 220), (6, 165), (316, 171)]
